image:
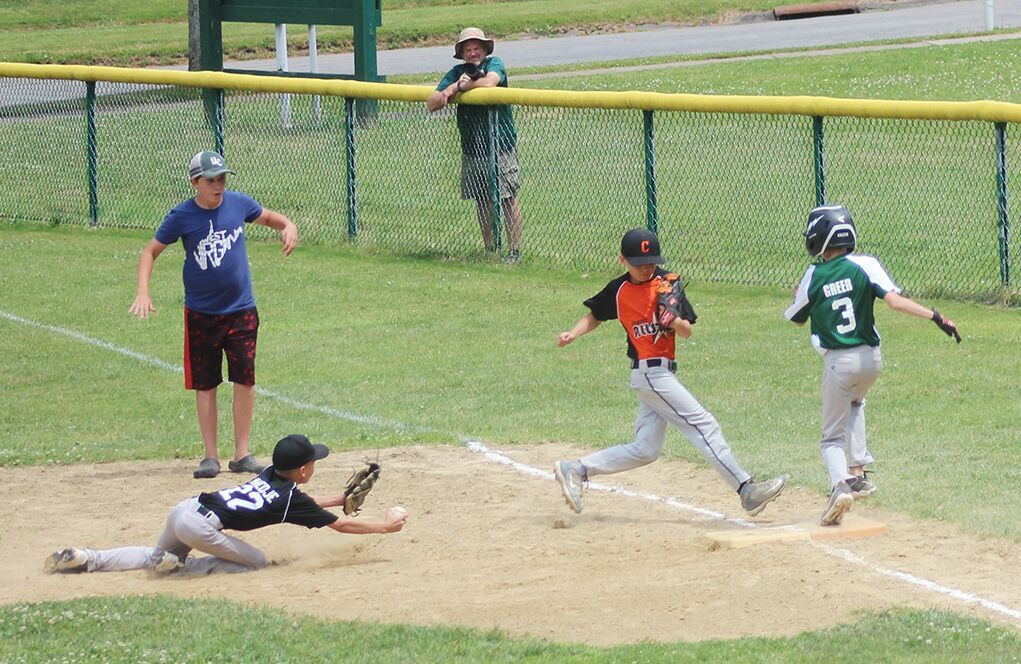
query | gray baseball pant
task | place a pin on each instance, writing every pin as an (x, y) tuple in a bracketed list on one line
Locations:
[(663, 400), (848, 373), (186, 529)]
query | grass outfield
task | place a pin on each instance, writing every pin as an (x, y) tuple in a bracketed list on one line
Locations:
[(947, 72), (464, 349), (159, 629), (456, 350), (730, 187)]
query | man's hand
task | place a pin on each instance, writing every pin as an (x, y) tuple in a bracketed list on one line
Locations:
[(564, 339)]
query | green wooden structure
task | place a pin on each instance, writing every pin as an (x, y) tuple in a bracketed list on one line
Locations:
[(363, 15)]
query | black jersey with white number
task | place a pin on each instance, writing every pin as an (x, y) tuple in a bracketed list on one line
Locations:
[(265, 500)]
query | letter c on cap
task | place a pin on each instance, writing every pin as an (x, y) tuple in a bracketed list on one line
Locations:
[(645, 246)]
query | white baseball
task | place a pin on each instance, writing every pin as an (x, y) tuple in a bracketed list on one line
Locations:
[(397, 511)]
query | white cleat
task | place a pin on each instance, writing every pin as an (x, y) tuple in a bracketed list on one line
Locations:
[(66, 560), (167, 563), (571, 476)]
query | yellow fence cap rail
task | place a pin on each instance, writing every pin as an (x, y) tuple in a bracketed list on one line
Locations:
[(988, 111)]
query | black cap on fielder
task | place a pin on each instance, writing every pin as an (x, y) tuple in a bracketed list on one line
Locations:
[(295, 451), (640, 246)]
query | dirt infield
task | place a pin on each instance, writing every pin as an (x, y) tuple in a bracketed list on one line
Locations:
[(482, 550)]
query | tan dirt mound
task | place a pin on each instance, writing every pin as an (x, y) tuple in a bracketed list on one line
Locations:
[(489, 547)]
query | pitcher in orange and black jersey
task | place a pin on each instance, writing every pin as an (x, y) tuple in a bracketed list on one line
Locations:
[(662, 399)]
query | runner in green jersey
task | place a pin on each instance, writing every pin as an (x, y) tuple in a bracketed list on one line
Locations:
[(837, 294)]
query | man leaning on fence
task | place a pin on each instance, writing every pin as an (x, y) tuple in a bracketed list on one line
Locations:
[(481, 69)]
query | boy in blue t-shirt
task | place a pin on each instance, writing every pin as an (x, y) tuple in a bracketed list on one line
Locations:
[(219, 307)]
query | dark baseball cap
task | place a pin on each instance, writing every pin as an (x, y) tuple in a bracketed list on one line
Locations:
[(640, 246), (295, 451), (207, 164)]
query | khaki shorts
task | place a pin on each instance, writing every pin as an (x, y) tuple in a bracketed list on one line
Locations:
[(475, 176)]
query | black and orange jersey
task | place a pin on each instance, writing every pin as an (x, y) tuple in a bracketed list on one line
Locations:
[(634, 305)]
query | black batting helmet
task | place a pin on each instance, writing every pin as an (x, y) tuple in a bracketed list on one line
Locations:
[(829, 226)]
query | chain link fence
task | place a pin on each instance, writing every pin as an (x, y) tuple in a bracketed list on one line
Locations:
[(729, 192)]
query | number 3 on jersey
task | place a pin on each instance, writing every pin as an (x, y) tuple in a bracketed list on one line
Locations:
[(846, 308)]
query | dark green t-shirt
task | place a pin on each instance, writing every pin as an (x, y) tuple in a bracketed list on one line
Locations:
[(472, 121), (838, 295)]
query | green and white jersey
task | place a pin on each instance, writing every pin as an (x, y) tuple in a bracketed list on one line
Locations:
[(838, 295)]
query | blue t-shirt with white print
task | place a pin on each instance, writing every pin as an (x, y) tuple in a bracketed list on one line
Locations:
[(217, 279)]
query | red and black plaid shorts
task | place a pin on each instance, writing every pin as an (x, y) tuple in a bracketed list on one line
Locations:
[(207, 337)]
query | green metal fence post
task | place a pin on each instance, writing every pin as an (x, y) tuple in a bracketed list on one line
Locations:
[(210, 55), (366, 14), (1002, 219), (349, 150), (651, 206), (92, 151), (818, 160), (494, 176), (219, 115)]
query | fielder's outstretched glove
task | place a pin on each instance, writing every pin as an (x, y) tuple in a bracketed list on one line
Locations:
[(671, 303), (359, 486)]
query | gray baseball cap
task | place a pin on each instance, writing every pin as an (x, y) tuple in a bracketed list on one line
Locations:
[(207, 164)]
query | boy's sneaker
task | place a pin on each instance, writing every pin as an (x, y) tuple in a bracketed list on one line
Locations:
[(66, 560), (167, 563), (756, 495), (208, 468), (862, 487), (840, 503), (571, 476), (246, 464)]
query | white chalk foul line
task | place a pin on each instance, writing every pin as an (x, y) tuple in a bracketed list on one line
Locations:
[(92, 341), (499, 458), (167, 366), (920, 582), (525, 469), (710, 515)]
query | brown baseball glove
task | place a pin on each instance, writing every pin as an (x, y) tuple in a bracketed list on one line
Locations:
[(359, 486), (671, 301)]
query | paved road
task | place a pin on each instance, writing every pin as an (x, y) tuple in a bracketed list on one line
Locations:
[(877, 23)]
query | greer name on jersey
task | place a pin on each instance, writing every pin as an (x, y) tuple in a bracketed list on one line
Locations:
[(838, 288), (838, 295)]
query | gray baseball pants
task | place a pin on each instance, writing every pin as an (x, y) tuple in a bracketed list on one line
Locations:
[(186, 530), (847, 375), (663, 400)]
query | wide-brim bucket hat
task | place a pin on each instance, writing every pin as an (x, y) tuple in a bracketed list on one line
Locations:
[(472, 33)]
